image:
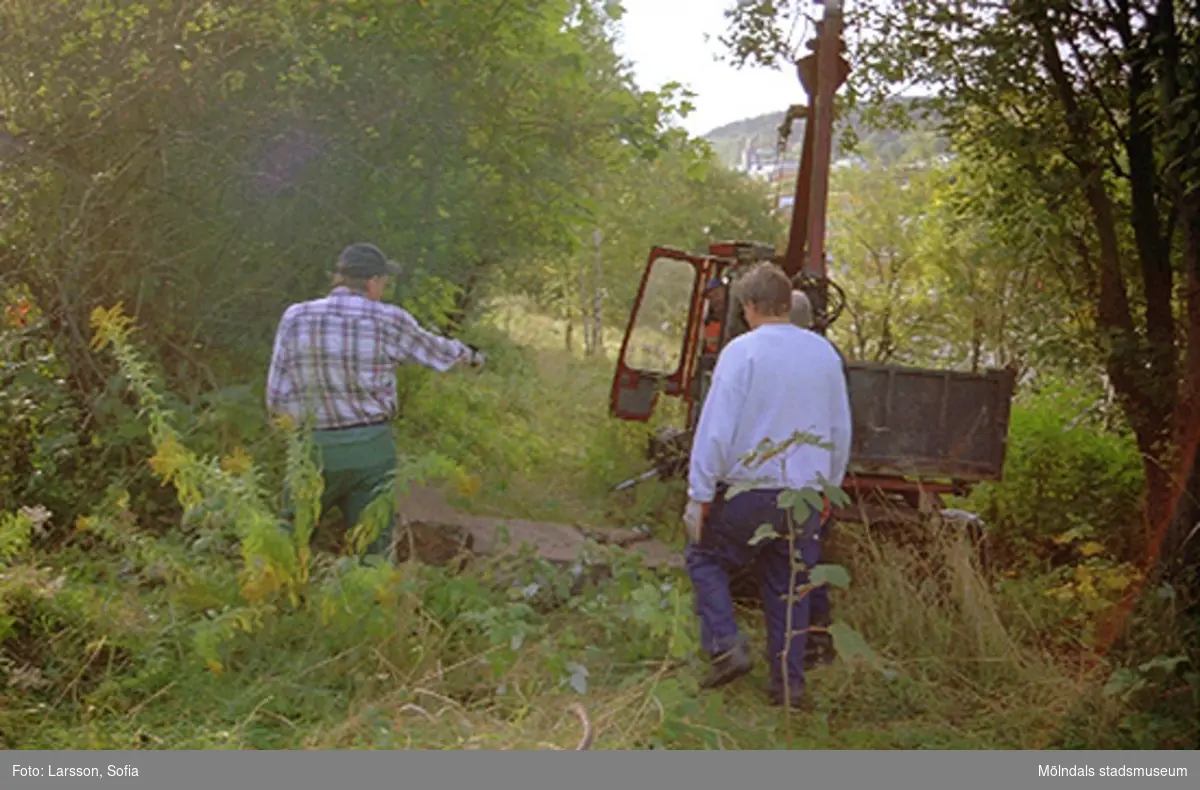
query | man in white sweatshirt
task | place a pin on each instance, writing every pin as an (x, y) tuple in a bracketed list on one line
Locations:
[(770, 383)]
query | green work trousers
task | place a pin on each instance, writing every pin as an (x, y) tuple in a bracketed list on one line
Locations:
[(358, 465)]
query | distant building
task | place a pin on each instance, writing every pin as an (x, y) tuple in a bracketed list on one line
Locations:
[(764, 161), (758, 162), (785, 171)]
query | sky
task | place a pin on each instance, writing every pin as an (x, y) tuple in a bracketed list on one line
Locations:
[(664, 41)]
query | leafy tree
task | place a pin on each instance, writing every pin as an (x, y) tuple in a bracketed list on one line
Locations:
[(933, 278), (878, 217), (1005, 301), (683, 199), (202, 162)]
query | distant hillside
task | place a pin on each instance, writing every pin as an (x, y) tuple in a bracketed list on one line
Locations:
[(762, 132)]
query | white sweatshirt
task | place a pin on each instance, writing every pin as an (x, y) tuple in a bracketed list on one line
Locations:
[(770, 383)]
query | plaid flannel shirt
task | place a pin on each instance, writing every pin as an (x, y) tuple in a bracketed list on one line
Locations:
[(335, 358)]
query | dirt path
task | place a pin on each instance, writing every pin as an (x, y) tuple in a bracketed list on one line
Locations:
[(425, 510)]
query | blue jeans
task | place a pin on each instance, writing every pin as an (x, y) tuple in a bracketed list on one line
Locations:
[(820, 610), (725, 547)]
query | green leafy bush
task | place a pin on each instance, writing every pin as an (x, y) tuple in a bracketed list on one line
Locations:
[(62, 444), (1062, 473)]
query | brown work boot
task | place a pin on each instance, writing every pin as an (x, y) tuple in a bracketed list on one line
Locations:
[(819, 651), (798, 700), (728, 666)]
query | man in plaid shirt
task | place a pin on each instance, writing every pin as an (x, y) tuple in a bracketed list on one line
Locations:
[(333, 370)]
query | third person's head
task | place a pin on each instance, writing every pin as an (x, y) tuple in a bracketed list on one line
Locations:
[(801, 310)]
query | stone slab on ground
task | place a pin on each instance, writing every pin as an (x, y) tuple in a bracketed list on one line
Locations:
[(560, 543)]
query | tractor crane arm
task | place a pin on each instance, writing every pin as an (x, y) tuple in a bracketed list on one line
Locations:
[(821, 74)]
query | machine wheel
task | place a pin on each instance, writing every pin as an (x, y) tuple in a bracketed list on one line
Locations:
[(976, 532), (919, 537)]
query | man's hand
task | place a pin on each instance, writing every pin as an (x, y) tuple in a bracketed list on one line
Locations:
[(693, 519), (477, 359)]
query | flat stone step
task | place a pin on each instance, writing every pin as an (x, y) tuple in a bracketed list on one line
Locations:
[(423, 511)]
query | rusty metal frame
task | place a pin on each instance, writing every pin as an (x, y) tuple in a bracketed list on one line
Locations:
[(626, 379)]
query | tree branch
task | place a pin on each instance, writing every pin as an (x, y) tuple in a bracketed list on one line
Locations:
[(1113, 311)]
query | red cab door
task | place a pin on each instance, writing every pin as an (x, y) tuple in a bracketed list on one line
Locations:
[(660, 338)]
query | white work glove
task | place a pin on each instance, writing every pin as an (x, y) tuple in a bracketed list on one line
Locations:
[(477, 358), (694, 517)]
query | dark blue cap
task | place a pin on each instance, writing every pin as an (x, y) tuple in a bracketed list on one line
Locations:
[(364, 261)]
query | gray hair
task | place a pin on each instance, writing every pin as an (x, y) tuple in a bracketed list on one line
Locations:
[(357, 284), (801, 310), (766, 287)]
